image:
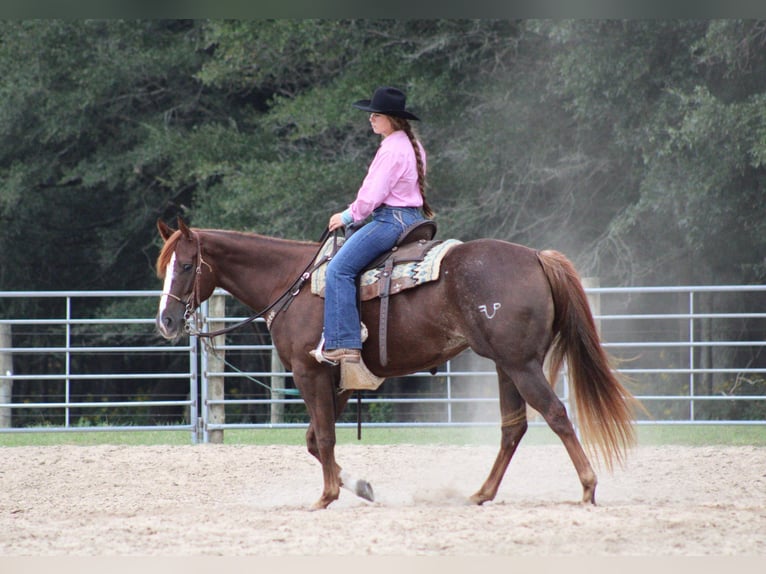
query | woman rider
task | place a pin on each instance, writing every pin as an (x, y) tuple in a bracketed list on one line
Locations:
[(393, 193)]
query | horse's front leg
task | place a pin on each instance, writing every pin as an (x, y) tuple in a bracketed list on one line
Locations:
[(331, 476), (324, 406), (330, 471), (359, 487), (311, 440)]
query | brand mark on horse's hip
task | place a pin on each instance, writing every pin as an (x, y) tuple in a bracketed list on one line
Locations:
[(495, 307)]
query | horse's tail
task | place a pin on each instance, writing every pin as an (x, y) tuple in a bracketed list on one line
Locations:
[(604, 407)]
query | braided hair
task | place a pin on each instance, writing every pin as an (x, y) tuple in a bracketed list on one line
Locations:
[(404, 125)]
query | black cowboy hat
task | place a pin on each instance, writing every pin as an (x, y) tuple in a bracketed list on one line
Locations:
[(387, 101)]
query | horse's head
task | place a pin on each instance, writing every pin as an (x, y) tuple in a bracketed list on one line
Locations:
[(188, 278)]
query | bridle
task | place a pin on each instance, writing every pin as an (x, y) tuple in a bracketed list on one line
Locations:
[(191, 302), (192, 322)]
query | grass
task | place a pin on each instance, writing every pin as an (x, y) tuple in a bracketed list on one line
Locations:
[(688, 435)]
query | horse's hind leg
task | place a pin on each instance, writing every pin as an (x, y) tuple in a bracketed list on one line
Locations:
[(513, 425), (533, 386)]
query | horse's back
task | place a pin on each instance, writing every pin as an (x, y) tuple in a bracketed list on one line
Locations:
[(494, 260)]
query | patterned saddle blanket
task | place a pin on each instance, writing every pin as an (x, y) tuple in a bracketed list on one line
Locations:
[(413, 264)]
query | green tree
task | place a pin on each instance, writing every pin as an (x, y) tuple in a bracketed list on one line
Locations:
[(91, 112), (633, 146), (684, 100), (313, 147)]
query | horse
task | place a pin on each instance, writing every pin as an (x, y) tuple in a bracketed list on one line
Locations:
[(508, 302)]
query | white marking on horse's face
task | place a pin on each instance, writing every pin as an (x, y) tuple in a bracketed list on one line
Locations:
[(167, 286)]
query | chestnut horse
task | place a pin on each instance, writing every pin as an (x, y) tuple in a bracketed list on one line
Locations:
[(507, 302)]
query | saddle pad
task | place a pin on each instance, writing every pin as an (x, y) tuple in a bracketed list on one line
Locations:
[(405, 275)]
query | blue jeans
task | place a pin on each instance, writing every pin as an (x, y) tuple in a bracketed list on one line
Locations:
[(342, 329)]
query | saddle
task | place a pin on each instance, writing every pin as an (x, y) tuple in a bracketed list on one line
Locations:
[(414, 259)]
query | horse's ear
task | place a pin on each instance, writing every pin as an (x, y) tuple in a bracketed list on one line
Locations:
[(184, 228), (164, 229)]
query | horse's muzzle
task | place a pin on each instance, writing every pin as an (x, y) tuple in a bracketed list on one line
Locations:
[(169, 327)]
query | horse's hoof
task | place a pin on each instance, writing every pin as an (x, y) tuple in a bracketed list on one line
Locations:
[(478, 499), (364, 490), (589, 495)]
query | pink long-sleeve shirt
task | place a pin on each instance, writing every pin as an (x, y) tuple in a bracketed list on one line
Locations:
[(391, 179)]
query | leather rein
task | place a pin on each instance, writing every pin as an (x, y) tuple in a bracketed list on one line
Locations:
[(283, 301)]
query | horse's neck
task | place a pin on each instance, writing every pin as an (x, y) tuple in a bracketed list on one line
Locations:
[(253, 268)]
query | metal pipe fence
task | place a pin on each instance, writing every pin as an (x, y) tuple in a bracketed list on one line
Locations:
[(701, 349), (54, 389), (92, 361)]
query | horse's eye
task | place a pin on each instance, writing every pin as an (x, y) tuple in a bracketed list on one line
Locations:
[(187, 266)]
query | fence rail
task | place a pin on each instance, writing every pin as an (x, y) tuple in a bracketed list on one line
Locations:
[(55, 343), (692, 354)]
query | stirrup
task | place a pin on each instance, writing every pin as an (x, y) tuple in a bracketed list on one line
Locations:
[(318, 352), (336, 355)]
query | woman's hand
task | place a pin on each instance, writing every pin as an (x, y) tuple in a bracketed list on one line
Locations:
[(335, 222)]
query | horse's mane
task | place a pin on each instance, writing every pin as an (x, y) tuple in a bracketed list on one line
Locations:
[(170, 245)]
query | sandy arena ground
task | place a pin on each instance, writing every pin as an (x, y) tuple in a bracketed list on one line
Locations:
[(227, 500)]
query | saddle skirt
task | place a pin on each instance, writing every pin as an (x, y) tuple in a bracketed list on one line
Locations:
[(413, 264)]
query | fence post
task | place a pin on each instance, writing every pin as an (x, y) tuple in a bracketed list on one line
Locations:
[(216, 363), (277, 386), (6, 368)]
